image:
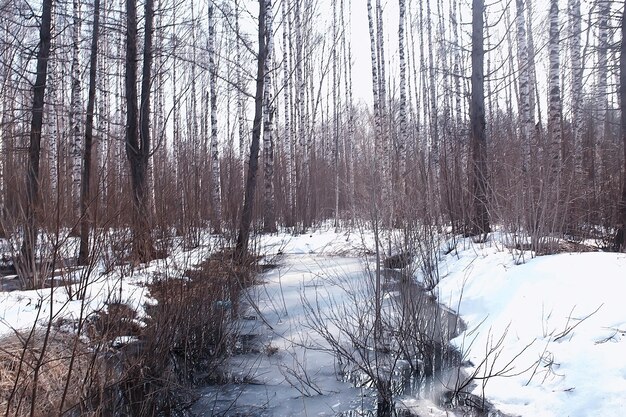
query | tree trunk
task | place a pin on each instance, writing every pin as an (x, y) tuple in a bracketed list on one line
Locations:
[(32, 177), (138, 137), (604, 9), (269, 217), (622, 93), (85, 197), (526, 126), (554, 94), (575, 23), (216, 194), (402, 139), (253, 166), (478, 137), (75, 115)]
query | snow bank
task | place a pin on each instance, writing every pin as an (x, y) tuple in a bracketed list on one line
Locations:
[(552, 329)]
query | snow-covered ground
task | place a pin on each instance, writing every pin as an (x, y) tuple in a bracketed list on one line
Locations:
[(552, 330)]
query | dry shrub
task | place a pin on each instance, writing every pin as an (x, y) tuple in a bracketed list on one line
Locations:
[(21, 354), (188, 332)]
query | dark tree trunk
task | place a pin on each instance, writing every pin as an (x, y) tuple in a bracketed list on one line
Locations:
[(34, 150), (138, 141), (253, 165), (85, 194), (622, 92), (478, 136)]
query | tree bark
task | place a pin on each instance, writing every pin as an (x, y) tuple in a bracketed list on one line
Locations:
[(138, 137), (85, 196), (253, 166), (554, 94), (524, 87), (478, 138), (269, 217), (622, 93), (216, 193), (34, 150), (75, 114), (575, 26)]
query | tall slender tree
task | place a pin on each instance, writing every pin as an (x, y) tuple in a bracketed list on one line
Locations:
[(554, 92), (478, 136), (269, 215), (85, 196), (575, 33), (524, 101), (620, 241), (138, 136), (75, 113), (216, 199), (253, 164), (32, 176)]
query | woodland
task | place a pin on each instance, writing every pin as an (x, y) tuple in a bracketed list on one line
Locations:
[(126, 126), (167, 120)]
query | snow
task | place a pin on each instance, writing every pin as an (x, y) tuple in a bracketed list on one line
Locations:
[(552, 329), (562, 321)]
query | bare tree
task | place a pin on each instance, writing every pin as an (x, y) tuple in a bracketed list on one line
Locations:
[(85, 196), (524, 85), (253, 165), (269, 216), (138, 137), (216, 200), (76, 112), (478, 136), (575, 23), (622, 92), (554, 93), (34, 150)]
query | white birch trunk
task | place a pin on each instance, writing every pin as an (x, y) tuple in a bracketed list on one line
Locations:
[(403, 98), (241, 116), (532, 73), (288, 150), (524, 86), (76, 112), (216, 199), (575, 26), (604, 8), (434, 128), (53, 123), (375, 73), (268, 123), (554, 90)]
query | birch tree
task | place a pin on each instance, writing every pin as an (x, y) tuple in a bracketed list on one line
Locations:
[(216, 199), (575, 23), (554, 92), (621, 228), (604, 9), (524, 85), (402, 139), (75, 113), (269, 217)]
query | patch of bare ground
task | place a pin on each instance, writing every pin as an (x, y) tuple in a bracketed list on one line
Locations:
[(49, 375), (116, 364), (188, 333)]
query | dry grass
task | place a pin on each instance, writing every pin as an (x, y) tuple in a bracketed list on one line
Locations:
[(21, 355)]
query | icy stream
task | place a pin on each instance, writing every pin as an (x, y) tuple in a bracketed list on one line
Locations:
[(284, 367)]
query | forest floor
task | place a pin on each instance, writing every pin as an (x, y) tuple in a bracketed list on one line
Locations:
[(545, 337)]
